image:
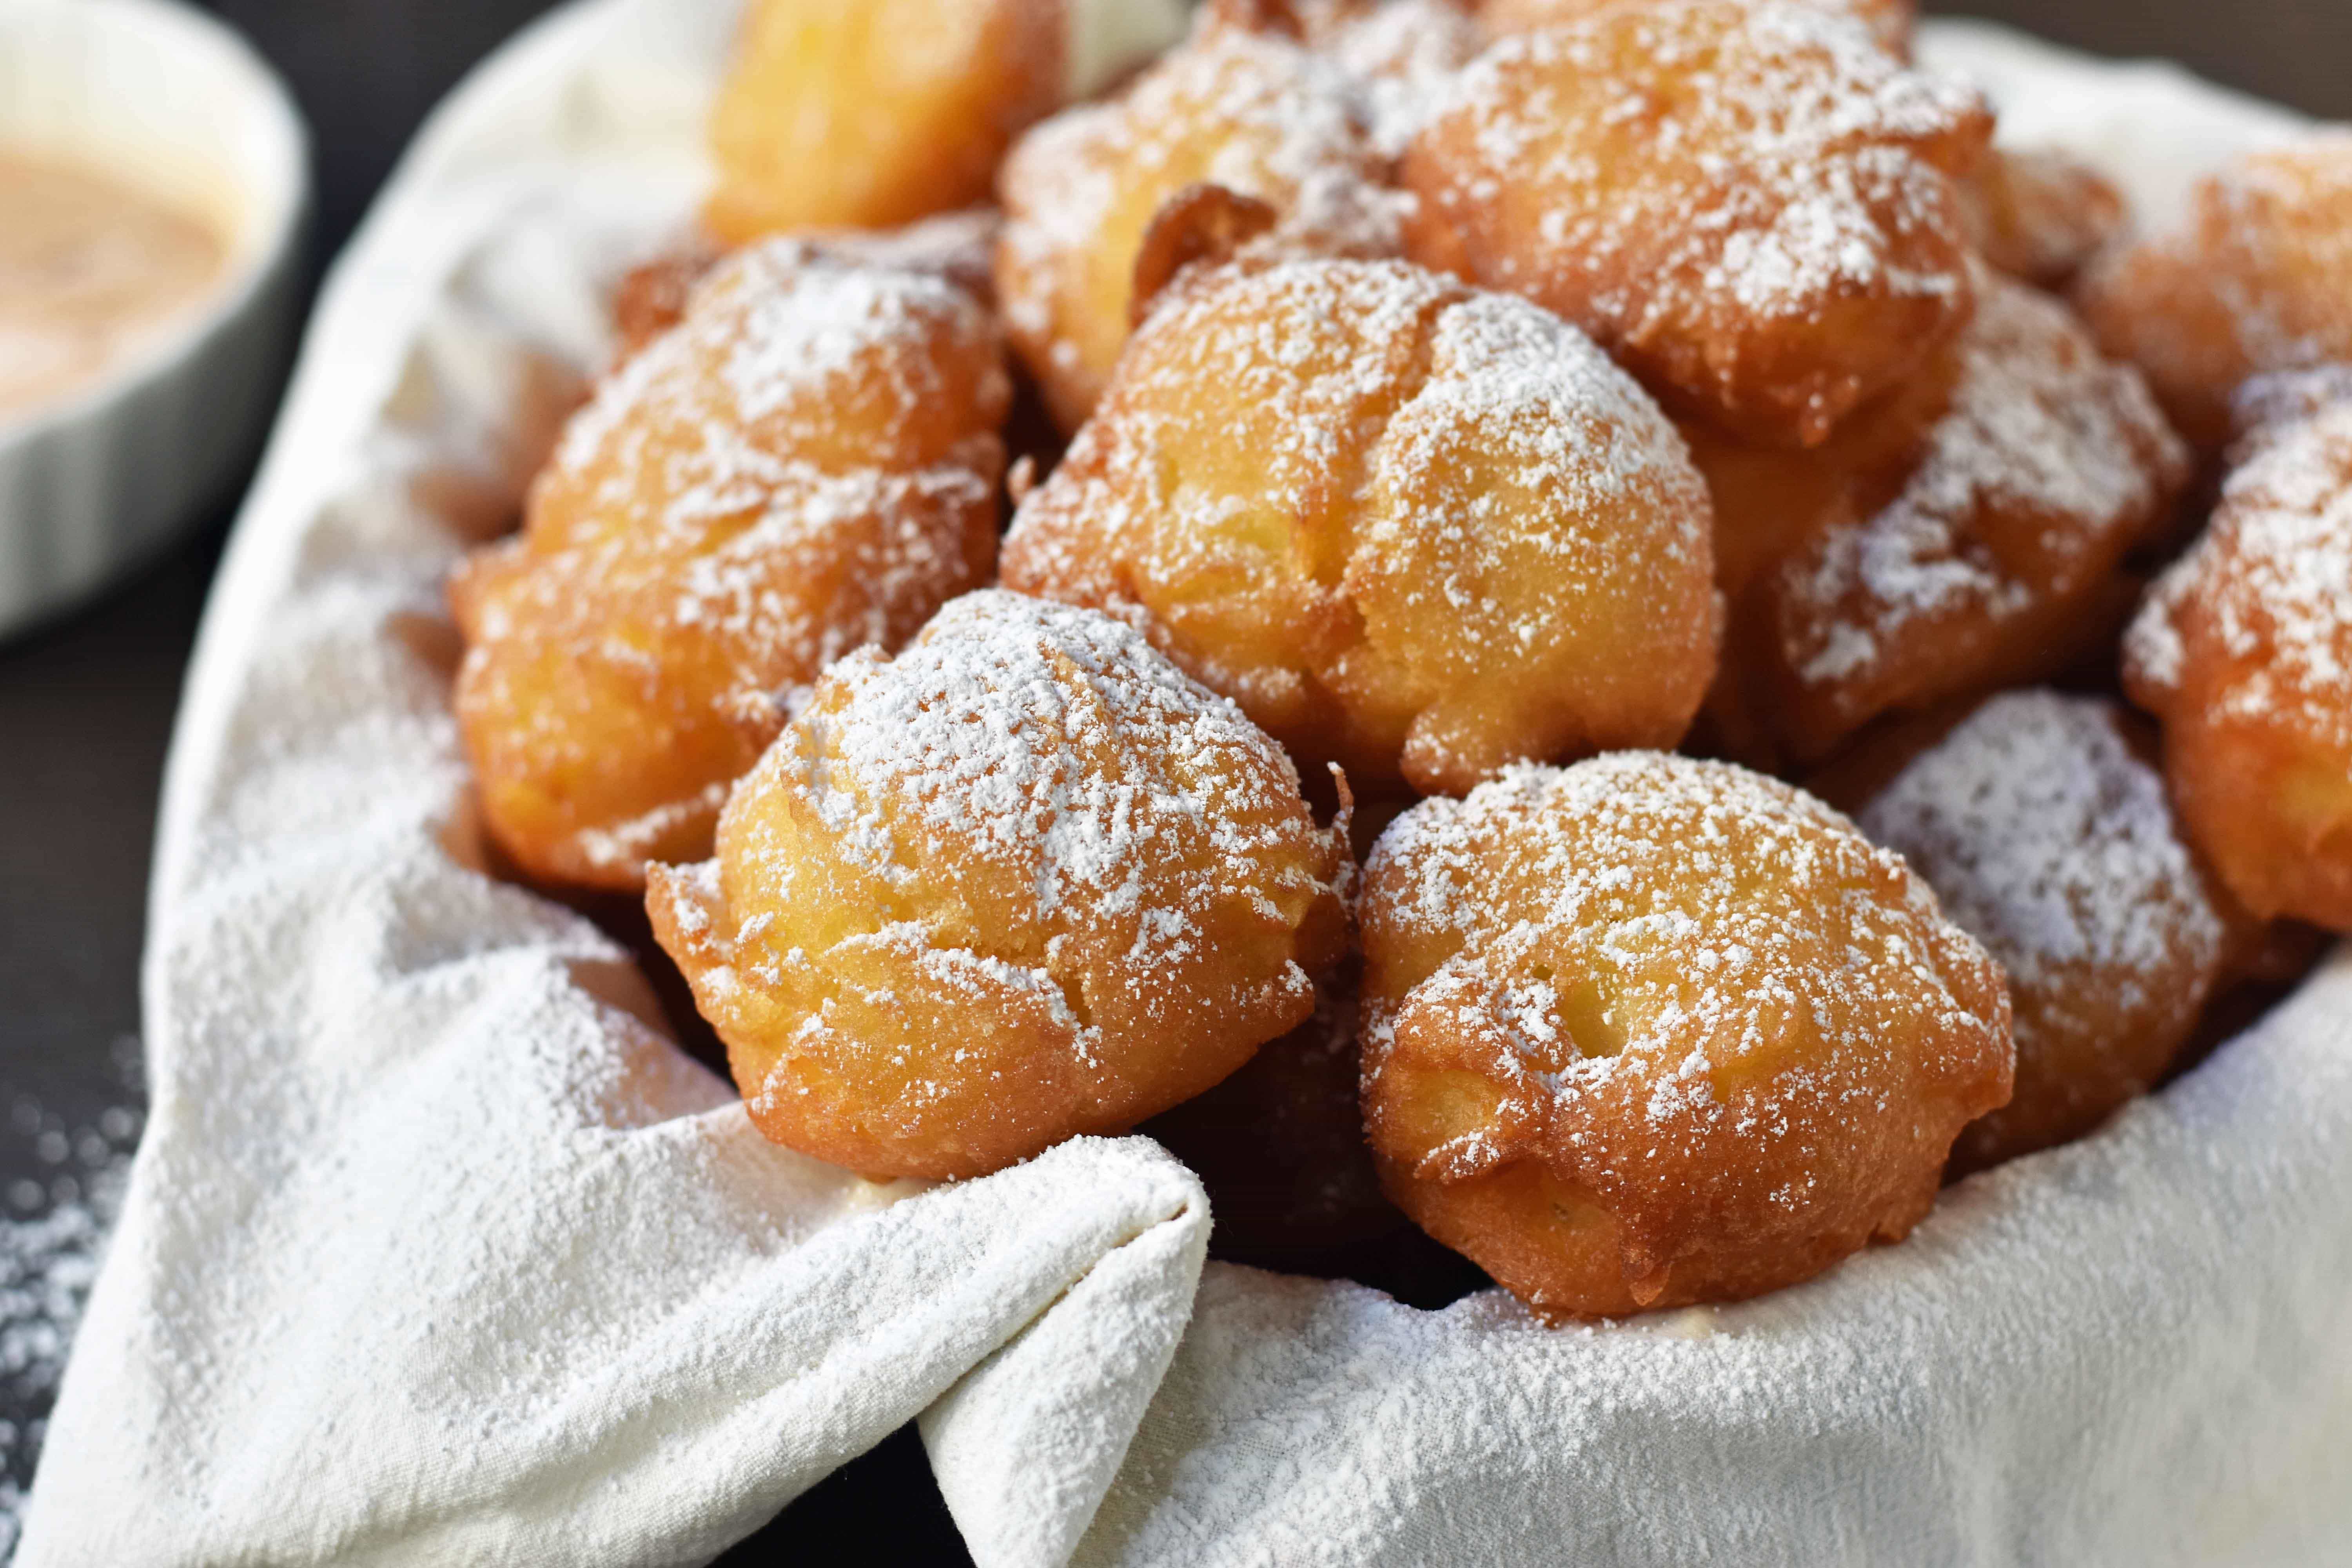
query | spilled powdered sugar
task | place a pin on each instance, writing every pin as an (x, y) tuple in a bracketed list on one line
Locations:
[(2040, 427), (53, 1234), (2049, 841), (2270, 580)]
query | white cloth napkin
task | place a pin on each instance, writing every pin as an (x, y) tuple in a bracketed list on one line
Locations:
[(436, 1251)]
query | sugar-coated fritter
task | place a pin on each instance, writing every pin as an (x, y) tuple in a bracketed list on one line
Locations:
[(1026, 880), (1753, 206), (1891, 21), (960, 247), (1242, 105), (2256, 277), (1412, 527), (1399, 54), (2048, 837), (2039, 214), (1963, 534), (806, 463), (1650, 1031), (2244, 651), (870, 113)]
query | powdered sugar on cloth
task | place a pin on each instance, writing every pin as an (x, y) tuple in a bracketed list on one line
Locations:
[(436, 1251)]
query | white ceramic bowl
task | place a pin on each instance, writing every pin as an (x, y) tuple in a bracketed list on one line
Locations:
[(173, 101)]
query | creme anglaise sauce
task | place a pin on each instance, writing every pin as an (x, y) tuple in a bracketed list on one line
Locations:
[(90, 269)]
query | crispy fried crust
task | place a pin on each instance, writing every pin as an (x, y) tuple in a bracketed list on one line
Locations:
[(1023, 882), (1751, 206), (1961, 535), (2244, 651), (1247, 109), (1412, 528), (1650, 1031), (808, 463), (828, 118), (2257, 278)]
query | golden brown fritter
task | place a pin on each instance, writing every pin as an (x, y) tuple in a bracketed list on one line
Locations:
[(2257, 277), (1025, 881), (867, 115), (808, 462), (2040, 214), (1964, 534), (2048, 838), (2244, 652), (1244, 107), (1650, 1031), (1413, 528), (1753, 206)]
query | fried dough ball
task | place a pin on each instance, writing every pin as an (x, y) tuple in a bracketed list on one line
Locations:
[(2258, 277), (1411, 527), (1891, 21), (2049, 839), (1399, 53), (2041, 213), (1650, 1031), (868, 113), (651, 296), (1242, 107), (2244, 652), (1026, 881), (1961, 535), (1753, 206), (806, 463), (960, 247)]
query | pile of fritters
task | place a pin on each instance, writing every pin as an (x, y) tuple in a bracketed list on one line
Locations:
[(1461, 457)]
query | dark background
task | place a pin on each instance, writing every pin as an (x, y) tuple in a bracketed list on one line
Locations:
[(85, 704)]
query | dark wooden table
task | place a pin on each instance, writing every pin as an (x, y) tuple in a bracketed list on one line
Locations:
[(85, 704)]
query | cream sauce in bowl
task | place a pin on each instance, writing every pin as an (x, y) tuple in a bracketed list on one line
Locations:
[(91, 270)]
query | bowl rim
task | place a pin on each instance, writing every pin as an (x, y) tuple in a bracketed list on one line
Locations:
[(277, 185)]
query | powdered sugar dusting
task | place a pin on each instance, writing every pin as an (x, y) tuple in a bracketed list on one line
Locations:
[(1056, 741), (2042, 434), (2054, 845), (1801, 139), (2269, 584), (791, 328), (1254, 113), (1650, 926), (1401, 55)]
